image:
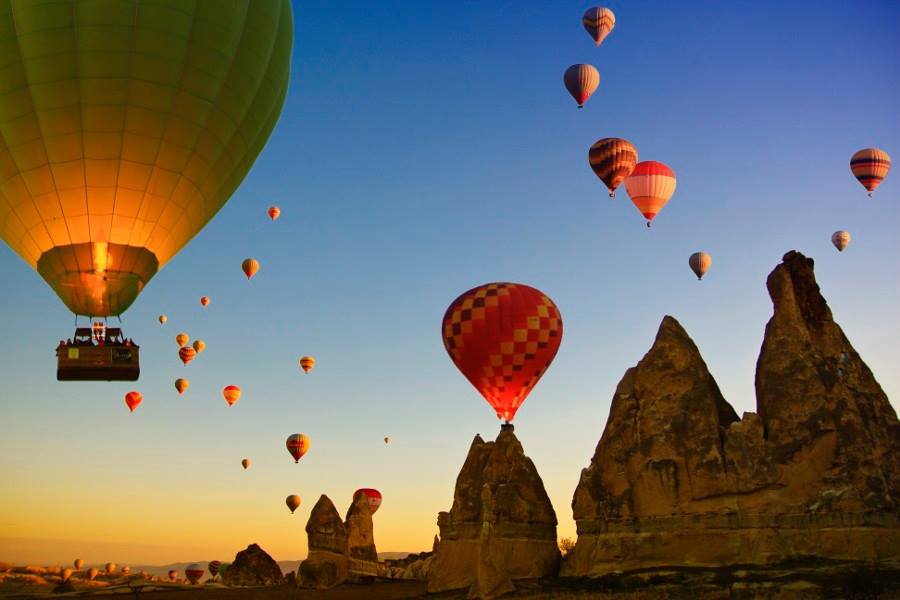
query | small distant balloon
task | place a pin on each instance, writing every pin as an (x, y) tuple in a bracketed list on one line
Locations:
[(199, 346), (840, 239), (133, 399), (78, 564), (250, 266), (66, 575), (581, 81), (232, 394), (222, 568), (110, 568), (274, 212), (246, 463), (599, 23), (126, 570), (204, 301), (298, 445), (700, 262), (373, 497), (172, 574), (163, 319), (182, 338), (194, 572), (307, 363), (650, 186), (870, 166), (213, 567), (387, 439), (182, 385), (293, 502), (187, 354), (92, 573), (612, 160)]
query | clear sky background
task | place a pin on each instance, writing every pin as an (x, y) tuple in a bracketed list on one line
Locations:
[(426, 148)]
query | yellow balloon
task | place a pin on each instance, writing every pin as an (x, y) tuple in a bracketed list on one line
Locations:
[(124, 127)]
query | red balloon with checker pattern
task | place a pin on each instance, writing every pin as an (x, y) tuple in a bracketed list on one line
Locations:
[(503, 336)]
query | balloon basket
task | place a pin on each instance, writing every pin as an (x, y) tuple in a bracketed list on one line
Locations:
[(507, 427)]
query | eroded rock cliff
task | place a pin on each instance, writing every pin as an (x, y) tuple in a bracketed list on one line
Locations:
[(678, 480)]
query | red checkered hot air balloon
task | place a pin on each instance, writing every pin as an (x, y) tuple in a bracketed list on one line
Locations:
[(502, 336)]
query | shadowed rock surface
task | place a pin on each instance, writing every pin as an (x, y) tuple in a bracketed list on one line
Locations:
[(501, 527), (678, 480), (326, 564), (253, 567)]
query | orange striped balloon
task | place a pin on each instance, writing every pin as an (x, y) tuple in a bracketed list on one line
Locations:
[(232, 394), (612, 160), (199, 346), (700, 262), (298, 445), (599, 23), (581, 80), (650, 186), (182, 385), (187, 354), (870, 166), (307, 363), (250, 266), (182, 338), (274, 212)]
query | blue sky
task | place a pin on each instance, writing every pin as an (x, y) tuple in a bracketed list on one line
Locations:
[(426, 148)]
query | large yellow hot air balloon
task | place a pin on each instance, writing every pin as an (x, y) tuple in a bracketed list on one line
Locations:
[(124, 128)]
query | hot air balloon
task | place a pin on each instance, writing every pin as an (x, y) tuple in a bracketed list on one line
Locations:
[(126, 570), (204, 301), (599, 23), (163, 319), (840, 239), (182, 339), (78, 564), (250, 266), (222, 568), (700, 262), (612, 159), (172, 574), (232, 394), (581, 80), (502, 337), (92, 573), (870, 166), (274, 212), (293, 502), (182, 385), (66, 575), (298, 445), (133, 399), (386, 439), (110, 568), (246, 463), (650, 186), (187, 354), (373, 497), (307, 363), (138, 130), (198, 346), (213, 567), (194, 572)]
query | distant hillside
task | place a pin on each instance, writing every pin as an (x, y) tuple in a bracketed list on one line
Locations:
[(287, 566)]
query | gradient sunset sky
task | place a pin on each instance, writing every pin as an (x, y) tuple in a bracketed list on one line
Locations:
[(426, 148)]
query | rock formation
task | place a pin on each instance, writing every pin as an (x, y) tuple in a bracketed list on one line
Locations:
[(678, 480), (326, 564), (501, 526), (253, 567)]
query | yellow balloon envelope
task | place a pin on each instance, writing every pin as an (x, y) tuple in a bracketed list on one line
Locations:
[(124, 128)]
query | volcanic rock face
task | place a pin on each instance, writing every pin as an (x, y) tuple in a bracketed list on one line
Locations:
[(678, 480), (501, 526), (253, 567), (326, 564)]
